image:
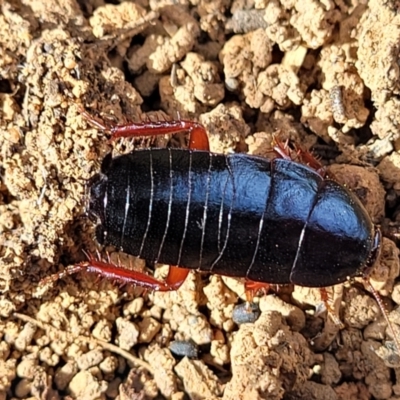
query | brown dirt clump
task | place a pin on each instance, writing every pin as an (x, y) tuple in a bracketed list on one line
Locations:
[(323, 74)]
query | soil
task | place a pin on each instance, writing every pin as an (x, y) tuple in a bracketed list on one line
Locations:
[(324, 74)]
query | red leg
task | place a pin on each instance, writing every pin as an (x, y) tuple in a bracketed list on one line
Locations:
[(198, 135), (331, 312), (283, 151), (198, 139), (383, 310), (176, 277), (307, 158), (253, 287), (123, 275)]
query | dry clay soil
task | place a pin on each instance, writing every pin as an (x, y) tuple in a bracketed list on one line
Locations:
[(324, 74)]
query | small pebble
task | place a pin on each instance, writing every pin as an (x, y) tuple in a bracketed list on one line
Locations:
[(128, 333), (85, 386), (65, 374), (90, 359), (184, 348), (25, 337), (109, 365), (245, 313), (148, 327), (23, 388), (26, 368)]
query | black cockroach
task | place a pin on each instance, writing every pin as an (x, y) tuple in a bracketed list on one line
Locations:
[(270, 221)]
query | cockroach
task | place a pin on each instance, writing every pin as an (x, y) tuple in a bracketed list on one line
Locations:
[(269, 221)]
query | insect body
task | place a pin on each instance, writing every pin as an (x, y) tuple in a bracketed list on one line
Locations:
[(268, 221), (274, 221)]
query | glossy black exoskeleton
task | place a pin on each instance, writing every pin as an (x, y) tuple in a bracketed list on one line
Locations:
[(274, 221)]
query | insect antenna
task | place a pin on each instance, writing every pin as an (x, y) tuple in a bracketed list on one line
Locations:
[(71, 270), (384, 311)]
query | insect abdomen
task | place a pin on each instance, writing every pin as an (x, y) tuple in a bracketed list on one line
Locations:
[(235, 215)]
